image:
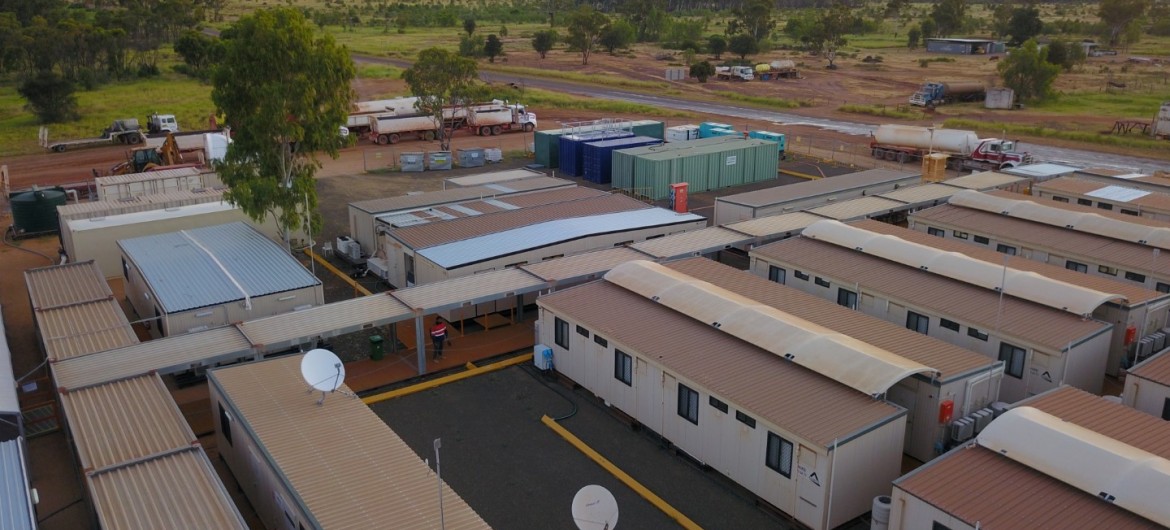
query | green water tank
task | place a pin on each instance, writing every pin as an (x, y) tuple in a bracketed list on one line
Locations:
[(36, 211)]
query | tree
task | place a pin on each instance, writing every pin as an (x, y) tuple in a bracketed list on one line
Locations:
[(894, 8), (948, 16), (1119, 15), (543, 41), (1065, 54), (716, 44), (1024, 24), (285, 92), (440, 78), (618, 34), (200, 52), (829, 34), (469, 26), (49, 96), (912, 38), (493, 47), (754, 17), (1027, 71), (743, 45), (585, 27), (929, 28), (702, 71), (648, 17), (1001, 18), (471, 45)]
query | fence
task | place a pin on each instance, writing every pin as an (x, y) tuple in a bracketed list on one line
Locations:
[(376, 158)]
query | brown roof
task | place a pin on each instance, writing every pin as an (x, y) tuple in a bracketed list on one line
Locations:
[(1133, 292), (1073, 207), (525, 200), (1156, 369), (61, 285), (808, 404), (978, 485), (440, 232), (948, 359), (453, 195), (1063, 241), (1075, 186), (953, 299), (818, 187), (587, 265), (343, 463)]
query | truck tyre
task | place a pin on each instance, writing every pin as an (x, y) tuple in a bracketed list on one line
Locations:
[(429, 135), (134, 139), (485, 130), (60, 148), (901, 158), (528, 127), (891, 155), (383, 139), (394, 138), (878, 153), (496, 130)]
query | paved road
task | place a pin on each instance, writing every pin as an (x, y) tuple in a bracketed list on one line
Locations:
[(1075, 157)]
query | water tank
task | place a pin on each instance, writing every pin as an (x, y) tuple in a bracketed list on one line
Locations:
[(36, 211), (881, 513)]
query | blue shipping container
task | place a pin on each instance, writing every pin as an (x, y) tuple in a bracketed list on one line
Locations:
[(598, 156), (771, 137), (571, 160)]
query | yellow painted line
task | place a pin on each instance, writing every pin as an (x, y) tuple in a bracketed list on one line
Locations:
[(427, 385), (799, 174), (329, 266), (470, 366), (626, 479)]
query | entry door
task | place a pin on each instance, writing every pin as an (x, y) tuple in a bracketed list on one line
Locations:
[(809, 488), (906, 397)]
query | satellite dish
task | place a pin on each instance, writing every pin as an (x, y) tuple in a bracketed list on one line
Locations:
[(594, 508), (322, 371)]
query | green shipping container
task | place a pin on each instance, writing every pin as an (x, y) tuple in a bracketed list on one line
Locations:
[(548, 143), (706, 164)]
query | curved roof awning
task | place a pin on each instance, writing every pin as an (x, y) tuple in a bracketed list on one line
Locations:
[(849, 361)]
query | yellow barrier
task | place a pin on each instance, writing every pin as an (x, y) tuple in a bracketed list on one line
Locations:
[(626, 479), (799, 174), (329, 266), (427, 385)]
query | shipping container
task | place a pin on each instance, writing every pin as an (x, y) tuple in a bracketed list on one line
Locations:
[(719, 133), (771, 137), (682, 133), (706, 127), (547, 145), (704, 164), (572, 153), (598, 156)]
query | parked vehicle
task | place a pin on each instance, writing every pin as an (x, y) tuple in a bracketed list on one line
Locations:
[(161, 123), (359, 118), (784, 69), (738, 73), (495, 119), (389, 129), (905, 143), (126, 131), (935, 93)]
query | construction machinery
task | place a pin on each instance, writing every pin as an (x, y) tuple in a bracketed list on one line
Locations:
[(143, 159)]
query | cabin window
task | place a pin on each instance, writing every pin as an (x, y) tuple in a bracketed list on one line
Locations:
[(1104, 206), (949, 324), (1059, 199), (1074, 266), (959, 235), (777, 274), (600, 341), (974, 333), (846, 298), (745, 419), (1130, 212), (623, 367), (936, 232), (582, 332), (1135, 277), (1084, 202), (225, 424), (982, 240), (688, 404), (1006, 249), (919, 323), (779, 455), (561, 333), (1105, 269), (1162, 287), (715, 402), (822, 282), (801, 275), (1013, 359)]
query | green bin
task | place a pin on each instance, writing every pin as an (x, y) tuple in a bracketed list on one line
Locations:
[(376, 347)]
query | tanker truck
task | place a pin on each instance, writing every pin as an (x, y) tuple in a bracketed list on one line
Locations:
[(935, 93), (389, 129), (904, 143), (495, 119), (360, 115)]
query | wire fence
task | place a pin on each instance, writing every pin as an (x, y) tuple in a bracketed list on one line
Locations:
[(388, 158)]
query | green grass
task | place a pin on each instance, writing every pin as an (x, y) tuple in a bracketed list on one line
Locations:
[(763, 101), (1121, 105), (576, 77), (378, 71), (882, 111), (1037, 131)]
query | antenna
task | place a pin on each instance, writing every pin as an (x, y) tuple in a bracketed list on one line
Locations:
[(323, 371), (594, 508)]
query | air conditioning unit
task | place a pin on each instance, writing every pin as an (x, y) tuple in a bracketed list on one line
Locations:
[(542, 357), (982, 417), (1145, 347), (1159, 341), (962, 430), (998, 408), (352, 249), (379, 267)]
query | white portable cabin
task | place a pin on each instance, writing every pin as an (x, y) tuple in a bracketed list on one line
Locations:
[(202, 278), (1147, 386), (1119, 197), (813, 447)]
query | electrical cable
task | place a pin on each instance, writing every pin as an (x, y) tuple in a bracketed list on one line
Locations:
[(530, 370), (12, 230)]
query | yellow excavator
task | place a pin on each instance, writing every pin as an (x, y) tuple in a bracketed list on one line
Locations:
[(143, 159)]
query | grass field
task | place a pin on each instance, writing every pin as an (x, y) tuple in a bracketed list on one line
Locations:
[(1040, 131)]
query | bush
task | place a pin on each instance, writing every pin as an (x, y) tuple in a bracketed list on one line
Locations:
[(50, 97)]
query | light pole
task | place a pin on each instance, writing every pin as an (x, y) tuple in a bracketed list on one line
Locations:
[(439, 478)]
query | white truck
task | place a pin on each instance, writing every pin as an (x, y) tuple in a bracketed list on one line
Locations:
[(359, 117), (730, 73), (904, 143), (389, 129), (497, 118)]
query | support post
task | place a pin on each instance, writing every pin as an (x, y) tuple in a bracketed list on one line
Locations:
[(419, 339)]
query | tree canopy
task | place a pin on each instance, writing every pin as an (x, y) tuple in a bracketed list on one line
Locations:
[(493, 47), (829, 33), (617, 34), (717, 44), (753, 17), (1119, 15), (586, 25), (743, 45), (948, 16), (1027, 71), (1024, 24), (543, 41), (439, 78), (285, 92)]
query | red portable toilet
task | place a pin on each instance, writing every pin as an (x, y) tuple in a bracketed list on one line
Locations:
[(678, 197)]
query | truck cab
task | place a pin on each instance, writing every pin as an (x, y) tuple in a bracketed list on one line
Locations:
[(928, 95), (999, 153), (742, 73), (522, 117), (162, 123)]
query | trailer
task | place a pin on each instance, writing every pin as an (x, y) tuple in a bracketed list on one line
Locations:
[(358, 120), (905, 143), (935, 93), (126, 131), (495, 119), (776, 70), (389, 129)]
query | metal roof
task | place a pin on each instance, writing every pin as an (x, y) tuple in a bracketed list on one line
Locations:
[(9, 402), (1074, 207), (1021, 284), (951, 361), (922, 193), (420, 200), (823, 186), (62, 285), (344, 466), (859, 208), (1134, 293), (145, 176), (953, 299), (84, 328), (856, 364), (16, 510), (492, 177), (775, 225), (147, 216), (1039, 170), (328, 320), (1121, 193), (693, 243), (695, 147), (138, 203), (784, 394), (438, 233), (447, 212), (1156, 369), (213, 265), (468, 290), (581, 267), (986, 180), (174, 490), (516, 240)]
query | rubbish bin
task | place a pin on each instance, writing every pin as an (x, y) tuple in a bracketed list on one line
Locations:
[(376, 347)]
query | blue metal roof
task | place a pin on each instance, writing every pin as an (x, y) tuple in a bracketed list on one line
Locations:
[(476, 249), (16, 511), (213, 265)]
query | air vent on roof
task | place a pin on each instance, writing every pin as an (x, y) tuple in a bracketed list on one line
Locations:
[(716, 324)]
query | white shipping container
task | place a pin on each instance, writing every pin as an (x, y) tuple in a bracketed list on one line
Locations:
[(682, 133)]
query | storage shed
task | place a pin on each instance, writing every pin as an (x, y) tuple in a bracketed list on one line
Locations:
[(816, 448), (16, 498), (1063, 459), (965, 46), (212, 276), (810, 194), (548, 147), (705, 164), (336, 466), (1147, 386)]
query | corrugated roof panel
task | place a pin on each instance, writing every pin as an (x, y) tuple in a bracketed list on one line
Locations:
[(1123, 192), (823, 186), (1040, 170), (149, 216), (1118, 193), (449, 195), (922, 193), (696, 242), (500, 204), (179, 490), (858, 208), (775, 225), (373, 480), (61, 285), (464, 210), (9, 402), (141, 358), (212, 265), (1073, 207), (986, 180), (948, 359), (156, 201), (1156, 369), (503, 243), (528, 200), (974, 306), (323, 320), (161, 174), (16, 511), (585, 266), (85, 328), (1124, 424), (754, 380), (433, 296), (493, 177), (123, 421)]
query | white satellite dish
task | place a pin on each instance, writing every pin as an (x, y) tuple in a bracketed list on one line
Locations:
[(323, 371), (594, 508)]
